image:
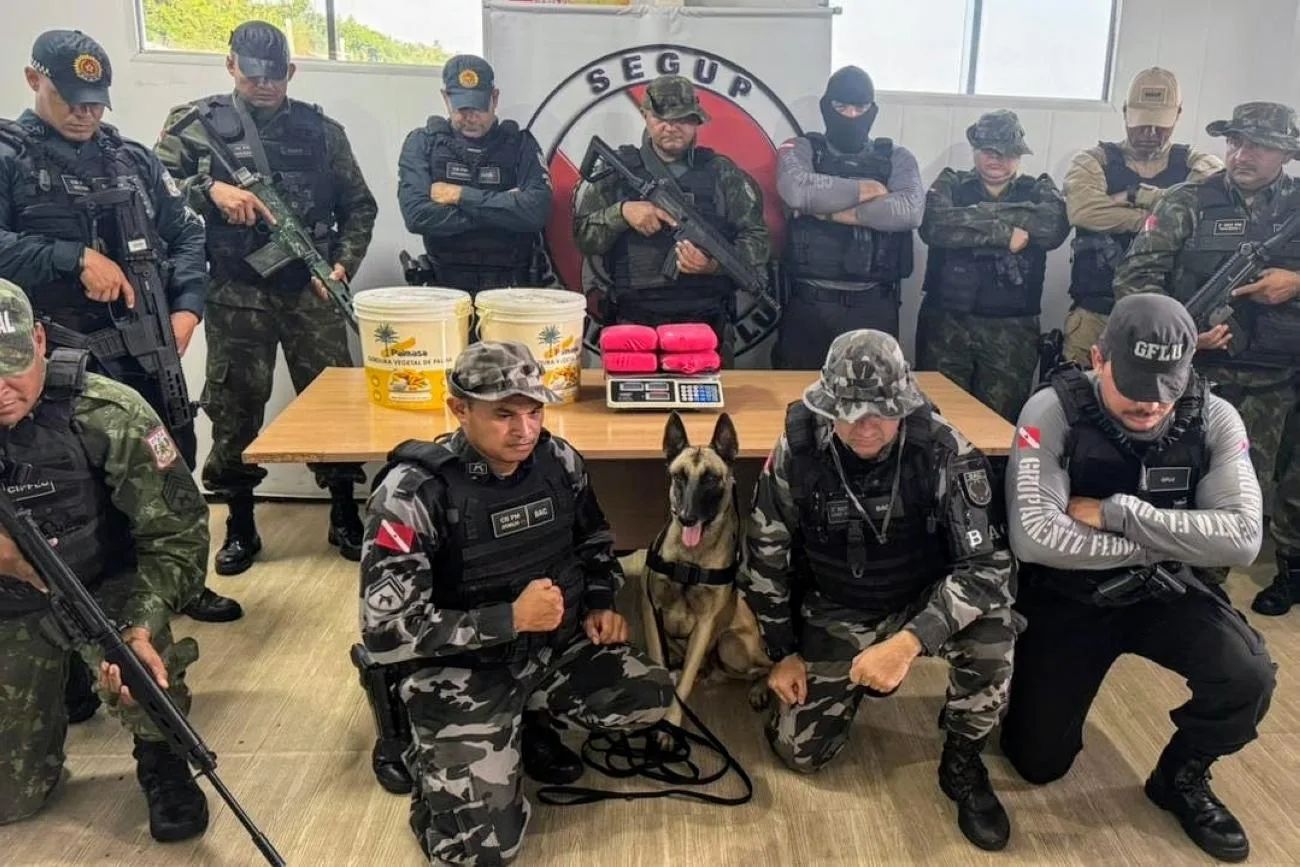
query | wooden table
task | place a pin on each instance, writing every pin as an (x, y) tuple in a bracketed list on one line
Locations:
[(333, 421)]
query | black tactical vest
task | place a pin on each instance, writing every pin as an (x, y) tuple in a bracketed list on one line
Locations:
[(1095, 254), (822, 250), (987, 281), (847, 563), (1225, 225), (294, 143)]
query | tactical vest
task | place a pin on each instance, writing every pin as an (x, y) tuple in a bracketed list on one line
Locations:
[(51, 474), (847, 563), (822, 250), (1095, 254), (500, 536), (987, 281), (478, 258), (1103, 460), (294, 143), (1224, 225)]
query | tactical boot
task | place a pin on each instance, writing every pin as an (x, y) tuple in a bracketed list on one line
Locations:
[(212, 608), (345, 523), (546, 758), (242, 541), (1276, 599), (1181, 784), (963, 777), (79, 691), (177, 808), (390, 770)]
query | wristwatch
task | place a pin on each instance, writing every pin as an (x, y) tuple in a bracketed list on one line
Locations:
[(81, 260), (205, 185)]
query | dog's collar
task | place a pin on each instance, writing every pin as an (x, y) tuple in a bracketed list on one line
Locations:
[(688, 574)]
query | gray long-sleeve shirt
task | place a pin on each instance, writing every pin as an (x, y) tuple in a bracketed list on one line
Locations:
[(805, 190), (1224, 529)]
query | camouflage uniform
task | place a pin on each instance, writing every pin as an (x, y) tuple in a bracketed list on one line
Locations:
[(599, 227), (466, 712), (983, 335)]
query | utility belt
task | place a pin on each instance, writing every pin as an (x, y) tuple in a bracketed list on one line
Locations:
[(1160, 582), (860, 294)]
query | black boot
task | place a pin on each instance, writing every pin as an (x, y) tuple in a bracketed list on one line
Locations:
[(177, 808), (390, 770), (963, 777), (1276, 599), (212, 608), (242, 541), (345, 522), (1181, 784), (546, 758), (79, 691)]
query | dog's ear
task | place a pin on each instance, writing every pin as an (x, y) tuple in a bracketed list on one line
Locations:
[(725, 442), (675, 438)]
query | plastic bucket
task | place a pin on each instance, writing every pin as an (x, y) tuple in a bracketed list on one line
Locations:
[(410, 336), (550, 322)]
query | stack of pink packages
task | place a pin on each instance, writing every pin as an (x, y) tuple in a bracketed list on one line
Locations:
[(686, 348)]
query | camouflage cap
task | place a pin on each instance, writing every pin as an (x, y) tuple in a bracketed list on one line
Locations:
[(1267, 124), (864, 374), (17, 349), (998, 131), (672, 97), (494, 370)]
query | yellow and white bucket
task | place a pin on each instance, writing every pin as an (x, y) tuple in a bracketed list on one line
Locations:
[(550, 322), (410, 336)]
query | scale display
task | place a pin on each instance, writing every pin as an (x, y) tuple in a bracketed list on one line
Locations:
[(663, 392)]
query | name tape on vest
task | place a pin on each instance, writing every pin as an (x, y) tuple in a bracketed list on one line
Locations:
[(1229, 227), (1159, 480), (525, 517)]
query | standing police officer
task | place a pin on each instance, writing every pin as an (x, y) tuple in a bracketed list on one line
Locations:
[(1128, 487), (308, 156), (488, 561), (881, 518), (989, 232), (1194, 229), (1110, 191), (475, 188), (855, 201), (50, 159), (634, 238)]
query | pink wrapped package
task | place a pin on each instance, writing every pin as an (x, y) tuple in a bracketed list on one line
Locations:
[(691, 363), (628, 338), (687, 337), (630, 362)]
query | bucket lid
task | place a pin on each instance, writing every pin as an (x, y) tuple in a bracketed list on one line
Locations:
[(408, 300), (529, 300)]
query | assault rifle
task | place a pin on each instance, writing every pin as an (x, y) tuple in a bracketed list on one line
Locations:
[(289, 239), (82, 622)]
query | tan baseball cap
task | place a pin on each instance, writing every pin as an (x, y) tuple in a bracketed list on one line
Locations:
[(1153, 99)]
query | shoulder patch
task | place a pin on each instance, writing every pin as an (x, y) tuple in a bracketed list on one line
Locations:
[(1150, 224), (180, 493), (387, 596), (976, 488), (170, 183), (160, 445)]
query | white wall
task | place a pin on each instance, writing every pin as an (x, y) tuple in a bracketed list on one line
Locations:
[(1222, 53)]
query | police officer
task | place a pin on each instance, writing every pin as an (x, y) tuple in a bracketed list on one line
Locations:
[(489, 562), (475, 187), (1116, 472), (1110, 191), (989, 232), (881, 518), (854, 202), (50, 159), (634, 236), (1193, 230), (308, 156), (104, 479)]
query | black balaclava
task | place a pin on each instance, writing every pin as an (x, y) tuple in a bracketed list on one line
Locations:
[(850, 86)]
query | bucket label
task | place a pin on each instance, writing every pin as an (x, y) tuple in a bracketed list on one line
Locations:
[(406, 363), (560, 358)]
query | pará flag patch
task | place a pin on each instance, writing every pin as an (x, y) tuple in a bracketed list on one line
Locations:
[(160, 445), (1027, 437), (1150, 224), (395, 536)]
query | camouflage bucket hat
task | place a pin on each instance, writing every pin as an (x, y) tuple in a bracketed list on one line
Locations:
[(17, 351), (1267, 124), (998, 131), (864, 374), (672, 97), (497, 370)]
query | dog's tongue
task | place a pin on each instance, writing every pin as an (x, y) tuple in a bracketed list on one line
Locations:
[(691, 535)]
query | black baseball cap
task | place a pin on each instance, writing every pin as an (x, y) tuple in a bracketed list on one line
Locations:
[(261, 50), (469, 81), (1149, 341), (76, 64)]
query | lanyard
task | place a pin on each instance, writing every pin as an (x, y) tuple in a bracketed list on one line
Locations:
[(883, 533)]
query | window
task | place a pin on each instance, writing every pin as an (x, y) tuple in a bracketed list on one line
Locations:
[(1045, 48), (353, 31)]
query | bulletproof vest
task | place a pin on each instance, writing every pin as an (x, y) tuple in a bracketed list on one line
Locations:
[(294, 143), (987, 281), (50, 472), (1224, 225), (1095, 254), (847, 563), (822, 250), (502, 535), (1103, 460), (636, 262)]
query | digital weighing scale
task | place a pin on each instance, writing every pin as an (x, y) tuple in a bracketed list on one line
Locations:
[(663, 392)]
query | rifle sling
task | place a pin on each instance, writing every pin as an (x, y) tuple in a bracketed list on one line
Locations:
[(254, 139), (659, 171), (105, 345)]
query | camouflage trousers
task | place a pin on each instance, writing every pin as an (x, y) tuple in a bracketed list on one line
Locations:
[(33, 715), (468, 807), (1082, 331), (992, 359), (242, 341), (807, 736)]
